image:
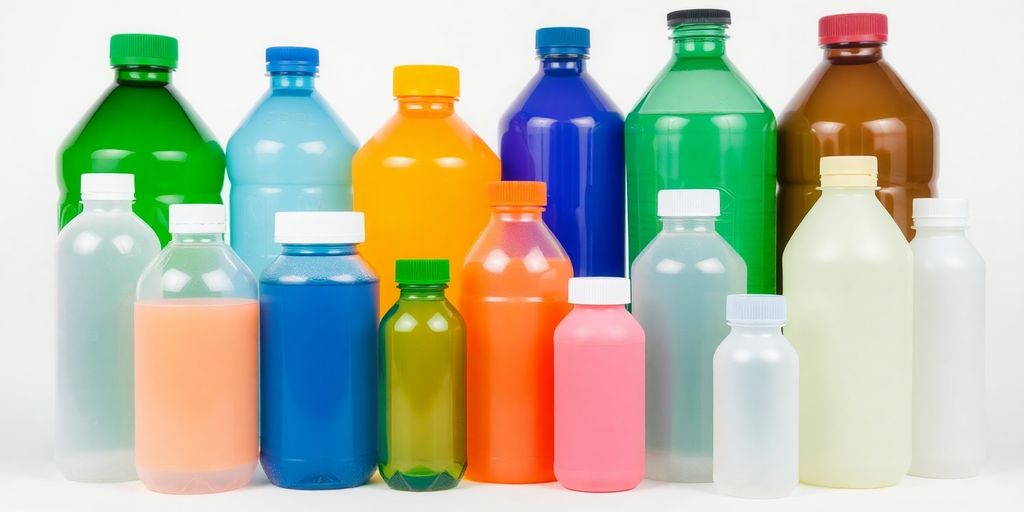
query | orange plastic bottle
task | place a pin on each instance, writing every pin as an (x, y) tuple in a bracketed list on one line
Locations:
[(421, 179), (515, 292)]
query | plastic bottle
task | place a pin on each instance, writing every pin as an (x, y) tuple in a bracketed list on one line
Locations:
[(143, 126), (421, 179), (292, 153), (100, 256), (196, 344), (949, 343), (680, 282), (599, 389), (701, 125), (848, 275), (514, 296), (565, 131), (756, 401), (318, 354), (423, 382)]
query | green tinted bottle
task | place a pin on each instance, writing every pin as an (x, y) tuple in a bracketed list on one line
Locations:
[(142, 126), (702, 126), (422, 441)]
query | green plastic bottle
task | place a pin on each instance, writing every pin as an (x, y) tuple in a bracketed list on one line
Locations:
[(142, 126), (422, 441), (702, 126)]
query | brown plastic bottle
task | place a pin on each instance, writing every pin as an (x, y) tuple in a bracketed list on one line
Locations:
[(854, 104)]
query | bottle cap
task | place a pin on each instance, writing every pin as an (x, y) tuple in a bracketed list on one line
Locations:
[(699, 17), (863, 27), (517, 193), (143, 50), (849, 171), (755, 309), (319, 228), (103, 186), (423, 271), (197, 218), (562, 41), (940, 212), (688, 203), (426, 80), (599, 291), (292, 59)]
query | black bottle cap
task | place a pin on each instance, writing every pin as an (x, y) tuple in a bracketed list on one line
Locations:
[(695, 16)]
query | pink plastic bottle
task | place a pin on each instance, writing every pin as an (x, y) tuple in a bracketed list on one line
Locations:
[(599, 389)]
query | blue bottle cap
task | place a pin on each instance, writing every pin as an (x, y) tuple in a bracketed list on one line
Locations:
[(292, 59), (563, 41)]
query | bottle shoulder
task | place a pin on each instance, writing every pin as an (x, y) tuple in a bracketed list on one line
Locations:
[(555, 99), (599, 327), (945, 253), (305, 124), (189, 271), (405, 141), (429, 318), (108, 235), (321, 270), (756, 350), (847, 229), (679, 255), (681, 88)]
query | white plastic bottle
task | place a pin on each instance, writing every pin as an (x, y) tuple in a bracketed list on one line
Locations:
[(100, 256), (848, 282), (949, 343), (755, 401)]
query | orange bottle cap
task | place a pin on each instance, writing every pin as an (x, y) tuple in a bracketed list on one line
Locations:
[(426, 80), (517, 193)]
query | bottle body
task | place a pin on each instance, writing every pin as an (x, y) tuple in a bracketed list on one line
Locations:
[(100, 256)]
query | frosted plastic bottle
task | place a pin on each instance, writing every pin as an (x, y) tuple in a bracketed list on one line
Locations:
[(599, 389), (848, 281), (196, 344), (756, 401), (949, 343), (292, 153), (680, 282), (100, 255)]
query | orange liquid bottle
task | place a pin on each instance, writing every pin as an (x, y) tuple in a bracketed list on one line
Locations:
[(421, 179), (515, 292)]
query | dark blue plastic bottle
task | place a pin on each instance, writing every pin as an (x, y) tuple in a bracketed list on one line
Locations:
[(564, 130), (318, 355)]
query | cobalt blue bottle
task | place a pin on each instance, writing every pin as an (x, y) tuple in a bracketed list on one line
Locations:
[(564, 130), (318, 354)]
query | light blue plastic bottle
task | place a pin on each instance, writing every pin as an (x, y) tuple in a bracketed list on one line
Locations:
[(292, 153)]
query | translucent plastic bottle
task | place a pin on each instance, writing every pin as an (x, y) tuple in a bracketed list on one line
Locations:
[(142, 126), (949, 343), (848, 278), (514, 296), (292, 153), (196, 344), (100, 256), (565, 131), (599, 389), (680, 282), (318, 354), (756, 397), (422, 179), (423, 382), (701, 125)]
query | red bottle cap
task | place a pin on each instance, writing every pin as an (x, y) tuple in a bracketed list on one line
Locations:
[(853, 28)]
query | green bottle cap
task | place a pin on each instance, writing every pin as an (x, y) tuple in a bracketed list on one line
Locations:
[(422, 272), (143, 50)]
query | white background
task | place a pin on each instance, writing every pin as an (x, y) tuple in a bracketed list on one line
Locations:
[(961, 58)]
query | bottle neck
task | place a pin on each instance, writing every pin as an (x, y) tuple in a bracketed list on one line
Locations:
[(318, 249), (292, 81), (848, 190), (923, 228), (688, 224), (563, 65), (853, 53), (426, 106), (107, 205), (142, 75), (516, 213), (600, 308), (421, 292), (198, 238), (755, 329), (702, 40)]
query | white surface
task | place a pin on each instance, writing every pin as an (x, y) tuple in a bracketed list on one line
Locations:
[(688, 203), (962, 60), (597, 291), (319, 228)]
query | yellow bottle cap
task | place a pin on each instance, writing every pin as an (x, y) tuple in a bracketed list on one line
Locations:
[(426, 80), (849, 171)]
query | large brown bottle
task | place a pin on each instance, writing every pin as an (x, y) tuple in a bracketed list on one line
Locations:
[(854, 104)]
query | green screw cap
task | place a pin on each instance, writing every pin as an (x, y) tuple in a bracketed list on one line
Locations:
[(143, 50), (422, 271)]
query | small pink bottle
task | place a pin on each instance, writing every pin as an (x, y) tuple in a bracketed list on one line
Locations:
[(599, 389)]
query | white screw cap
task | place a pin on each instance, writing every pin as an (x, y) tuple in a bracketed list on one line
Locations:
[(940, 212), (599, 291), (197, 218), (849, 171), (689, 203), (102, 186), (755, 309), (319, 228)]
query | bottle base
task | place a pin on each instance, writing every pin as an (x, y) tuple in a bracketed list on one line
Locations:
[(850, 483), (598, 481), (98, 467), (196, 482), (945, 473), (495, 471), (421, 479), (313, 474), (755, 492), (669, 467)]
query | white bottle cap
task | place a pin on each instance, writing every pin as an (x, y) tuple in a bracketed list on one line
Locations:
[(599, 291), (197, 218), (755, 309), (319, 228), (103, 186), (688, 203), (849, 171), (940, 212)]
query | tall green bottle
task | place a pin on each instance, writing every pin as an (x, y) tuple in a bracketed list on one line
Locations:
[(702, 126), (142, 126)]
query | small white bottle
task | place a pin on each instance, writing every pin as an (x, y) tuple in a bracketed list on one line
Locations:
[(949, 343), (756, 396)]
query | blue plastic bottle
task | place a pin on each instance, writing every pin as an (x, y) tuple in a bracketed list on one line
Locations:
[(292, 153), (318, 355), (564, 130)]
